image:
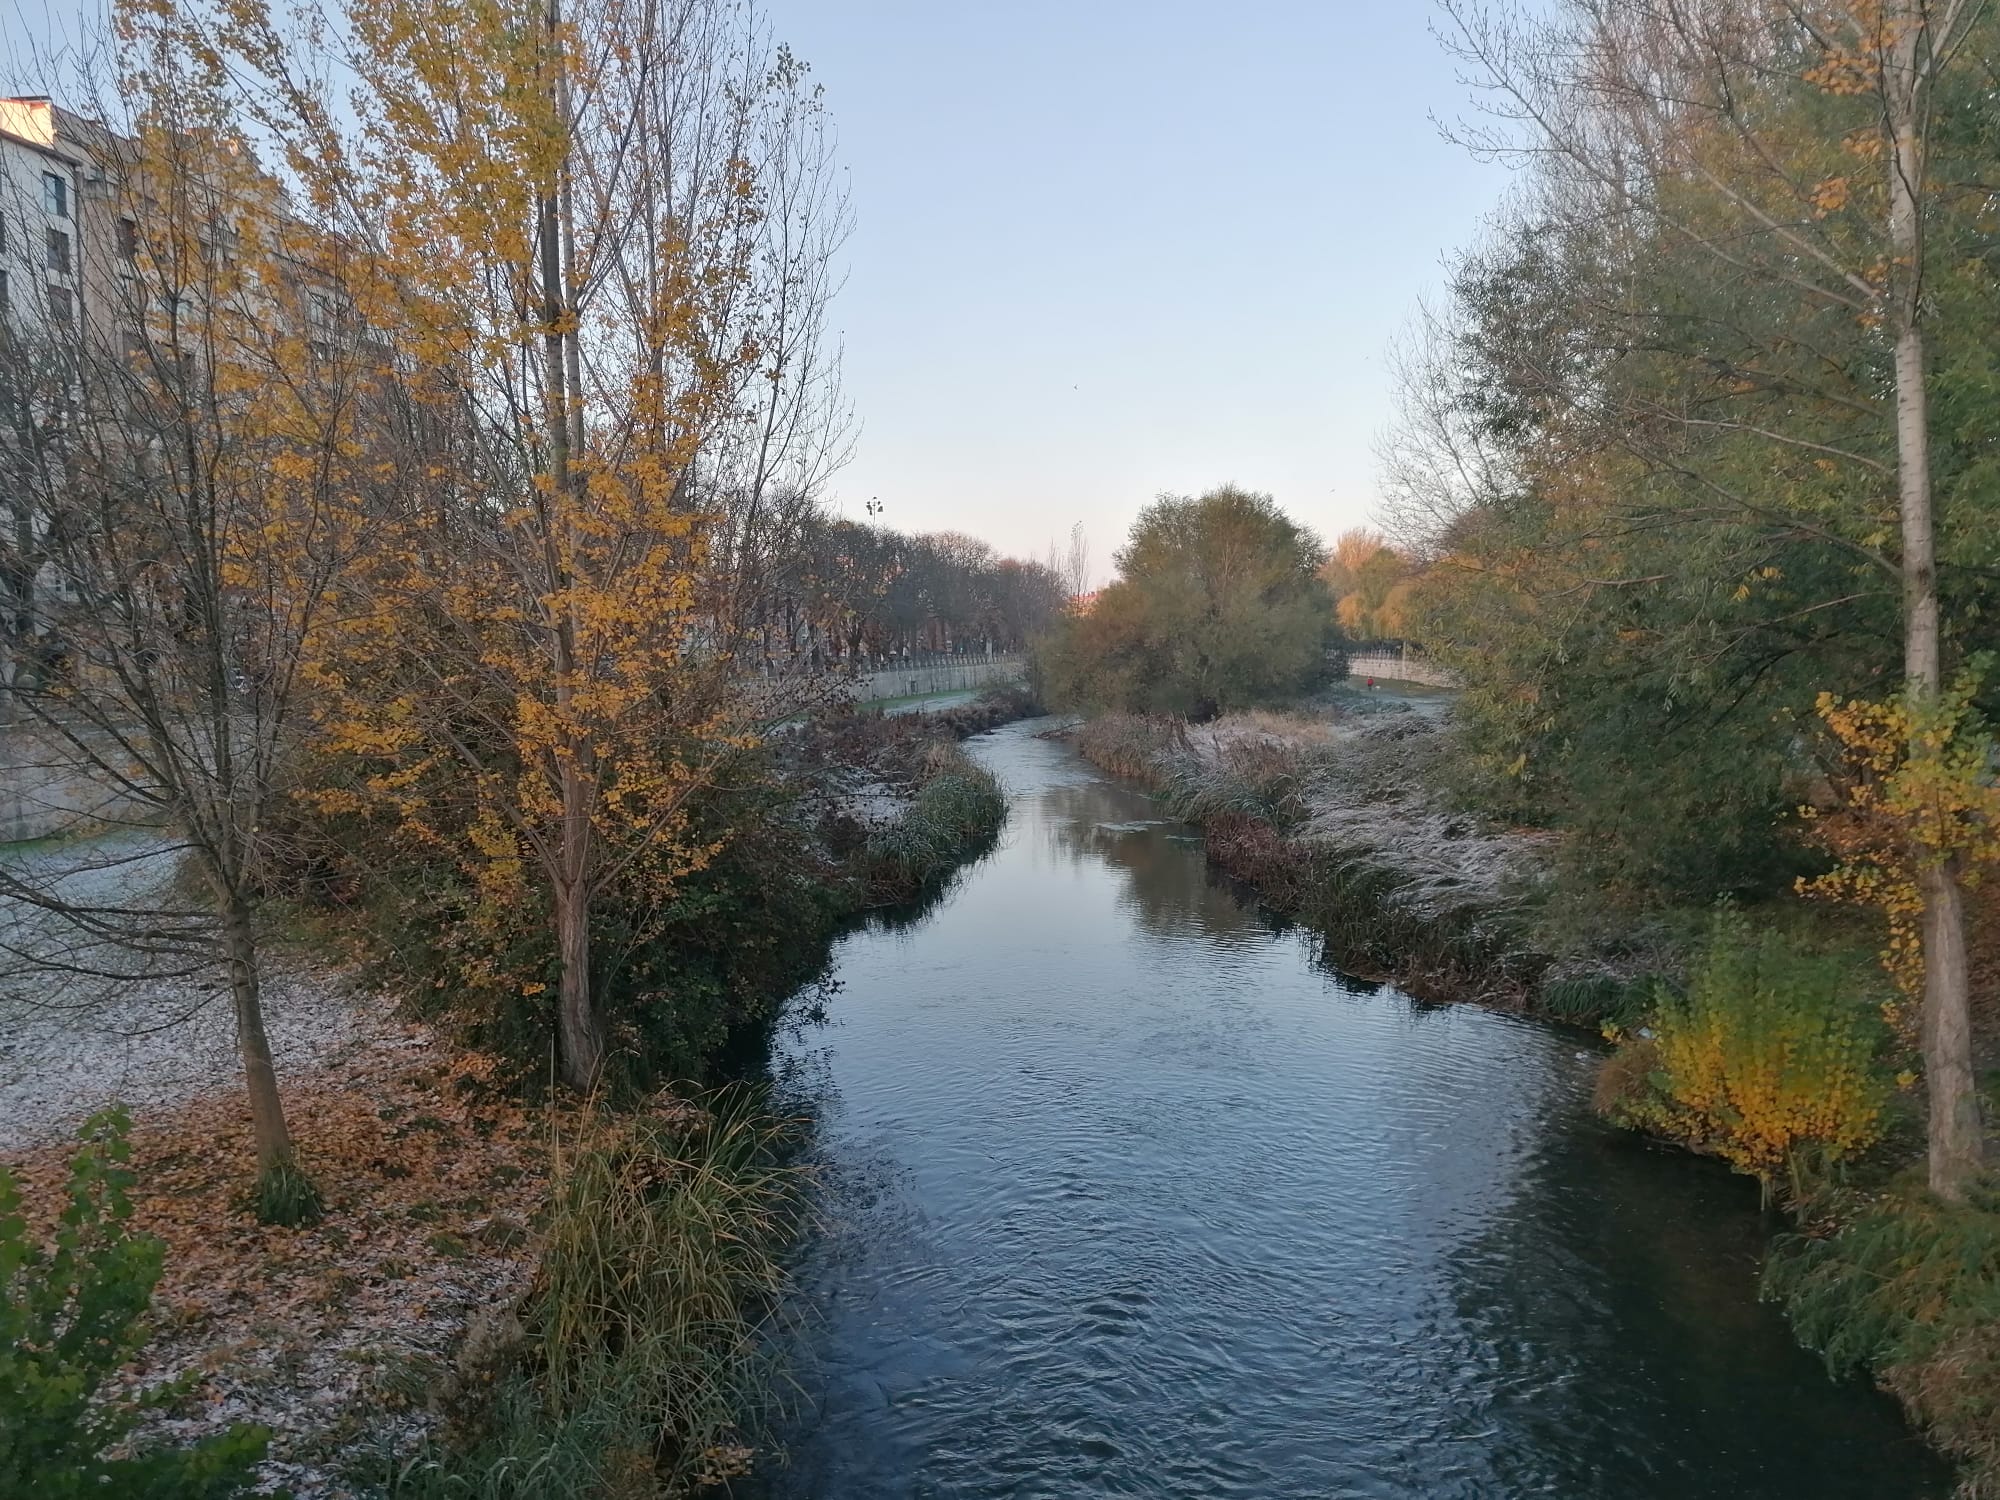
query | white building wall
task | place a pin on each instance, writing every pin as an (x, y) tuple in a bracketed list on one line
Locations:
[(40, 284)]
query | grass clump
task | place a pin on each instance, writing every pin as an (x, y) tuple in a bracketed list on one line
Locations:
[(1260, 779), (1135, 745), (1594, 999), (642, 1344), (1909, 1290), (958, 804), (285, 1196)]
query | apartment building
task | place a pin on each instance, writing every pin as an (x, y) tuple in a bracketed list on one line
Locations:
[(127, 277), (42, 230)]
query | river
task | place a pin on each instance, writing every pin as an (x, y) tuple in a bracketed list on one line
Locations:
[(1127, 1194)]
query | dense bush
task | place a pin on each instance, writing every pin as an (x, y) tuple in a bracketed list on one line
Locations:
[(1769, 1058), (1909, 1290), (675, 975), (1217, 606), (71, 1314), (679, 966)]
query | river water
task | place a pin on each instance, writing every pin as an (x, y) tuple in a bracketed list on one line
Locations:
[(1127, 1194)]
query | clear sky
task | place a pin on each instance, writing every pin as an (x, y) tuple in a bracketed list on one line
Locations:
[(1107, 248)]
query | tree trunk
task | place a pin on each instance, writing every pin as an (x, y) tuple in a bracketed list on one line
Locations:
[(267, 1111), (578, 1026), (1955, 1134), (579, 1032)]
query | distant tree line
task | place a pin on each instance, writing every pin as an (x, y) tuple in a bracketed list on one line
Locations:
[(850, 592)]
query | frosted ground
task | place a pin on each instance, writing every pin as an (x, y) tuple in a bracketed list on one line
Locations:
[(71, 1043)]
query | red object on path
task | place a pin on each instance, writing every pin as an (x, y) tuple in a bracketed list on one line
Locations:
[(1371, 684)]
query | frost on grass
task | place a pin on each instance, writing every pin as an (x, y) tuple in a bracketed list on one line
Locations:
[(87, 1018), (1367, 787), (337, 1336)]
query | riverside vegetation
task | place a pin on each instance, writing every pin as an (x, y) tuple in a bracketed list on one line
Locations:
[(447, 587), (1692, 492), (1771, 1030), (587, 1282), (1758, 1033), (445, 562)]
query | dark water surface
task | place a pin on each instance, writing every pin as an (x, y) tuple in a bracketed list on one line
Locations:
[(1128, 1195)]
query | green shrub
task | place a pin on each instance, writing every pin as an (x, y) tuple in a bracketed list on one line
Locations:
[(676, 977), (958, 804), (70, 1316), (1909, 1290), (1770, 1059)]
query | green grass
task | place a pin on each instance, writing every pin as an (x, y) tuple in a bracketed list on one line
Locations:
[(641, 1358), (284, 1195), (911, 700), (1594, 999), (958, 805)]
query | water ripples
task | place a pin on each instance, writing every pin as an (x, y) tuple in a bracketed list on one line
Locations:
[(1126, 1195)]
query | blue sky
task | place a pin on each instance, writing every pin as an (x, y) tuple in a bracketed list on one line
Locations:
[(1112, 247), (1107, 248)]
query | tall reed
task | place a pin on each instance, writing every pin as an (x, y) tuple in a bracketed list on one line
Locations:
[(641, 1355)]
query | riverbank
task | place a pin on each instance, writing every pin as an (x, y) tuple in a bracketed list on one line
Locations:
[(1125, 1192), (417, 1340), (1338, 821), (1334, 820)]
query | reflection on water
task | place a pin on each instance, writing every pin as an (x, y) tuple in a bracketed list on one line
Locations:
[(1127, 1195)]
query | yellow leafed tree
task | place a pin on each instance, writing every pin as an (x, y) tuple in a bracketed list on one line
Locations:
[(557, 220), (1916, 795)]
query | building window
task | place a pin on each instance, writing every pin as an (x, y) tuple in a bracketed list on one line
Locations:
[(59, 304), (3, 293), (58, 258), (128, 239), (55, 195)]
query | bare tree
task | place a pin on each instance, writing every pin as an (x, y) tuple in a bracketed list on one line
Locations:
[(192, 543), (1076, 562), (1437, 461), (766, 472)]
